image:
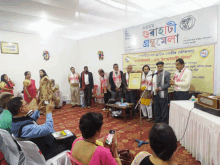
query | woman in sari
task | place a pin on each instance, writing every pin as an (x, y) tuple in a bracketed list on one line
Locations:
[(30, 91), (46, 88), (6, 84), (87, 150)]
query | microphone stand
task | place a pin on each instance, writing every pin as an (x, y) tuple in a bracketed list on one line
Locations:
[(140, 142)]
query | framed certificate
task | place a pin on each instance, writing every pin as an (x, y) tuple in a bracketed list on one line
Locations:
[(9, 48), (134, 81)]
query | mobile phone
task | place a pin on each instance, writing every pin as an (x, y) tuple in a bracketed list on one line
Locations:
[(63, 133), (110, 137), (46, 102)]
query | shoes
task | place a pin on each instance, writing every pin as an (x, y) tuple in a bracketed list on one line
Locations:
[(89, 107), (150, 119), (85, 107), (104, 109)]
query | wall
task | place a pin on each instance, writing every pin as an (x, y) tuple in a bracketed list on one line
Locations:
[(63, 54), (112, 46)]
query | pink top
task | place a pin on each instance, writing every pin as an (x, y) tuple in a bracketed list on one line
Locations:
[(101, 155)]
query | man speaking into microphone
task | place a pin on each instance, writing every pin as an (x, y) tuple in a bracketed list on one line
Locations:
[(161, 83)]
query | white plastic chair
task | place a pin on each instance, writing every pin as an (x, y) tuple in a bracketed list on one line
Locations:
[(34, 156), (10, 149)]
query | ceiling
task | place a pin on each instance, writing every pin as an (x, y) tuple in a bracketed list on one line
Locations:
[(78, 19)]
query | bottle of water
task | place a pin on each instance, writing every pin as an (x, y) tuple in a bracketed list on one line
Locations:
[(193, 98), (122, 100)]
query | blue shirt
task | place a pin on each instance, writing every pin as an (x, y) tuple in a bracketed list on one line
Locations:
[(33, 130)]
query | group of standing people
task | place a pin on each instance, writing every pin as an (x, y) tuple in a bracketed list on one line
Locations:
[(48, 90), (154, 87)]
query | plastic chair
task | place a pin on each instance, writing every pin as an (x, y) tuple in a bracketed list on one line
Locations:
[(94, 94), (73, 160), (10, 149), (34, 156)]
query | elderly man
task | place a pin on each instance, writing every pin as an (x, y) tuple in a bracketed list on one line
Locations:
[(161, 83), (130, 95), (105, 86), (73, 79), (115, 80)]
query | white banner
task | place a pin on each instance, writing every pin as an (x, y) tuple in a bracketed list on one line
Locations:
[(186, 30)]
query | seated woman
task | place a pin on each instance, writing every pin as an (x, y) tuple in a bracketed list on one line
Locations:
[(56, 94), (86, 149), (5, 115), (30, 90), (6, 84), (163, 142)]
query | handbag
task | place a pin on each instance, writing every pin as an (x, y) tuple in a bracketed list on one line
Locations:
[(126, 157)]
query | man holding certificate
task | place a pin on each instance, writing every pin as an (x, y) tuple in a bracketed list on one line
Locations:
[(161, 83), (129, 94)]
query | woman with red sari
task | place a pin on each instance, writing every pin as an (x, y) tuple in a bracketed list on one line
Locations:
[(6, 84), (30, 91)]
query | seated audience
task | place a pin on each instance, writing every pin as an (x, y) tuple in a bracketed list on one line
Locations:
[(86, 150), (24, 126), (6, 84), (163, 142), (56, 94), (5, 115)]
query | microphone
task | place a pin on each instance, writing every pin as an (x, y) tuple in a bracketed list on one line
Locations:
[(153, 74)]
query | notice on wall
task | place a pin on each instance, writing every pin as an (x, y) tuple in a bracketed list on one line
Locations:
[(200, 60), (186, 30)]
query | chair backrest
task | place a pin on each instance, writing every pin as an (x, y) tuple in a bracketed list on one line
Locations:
[(32, 153), (9, 148), (95, 89), (73, 160)]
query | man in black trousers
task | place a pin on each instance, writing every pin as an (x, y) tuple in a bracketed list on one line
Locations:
[(86, 83)]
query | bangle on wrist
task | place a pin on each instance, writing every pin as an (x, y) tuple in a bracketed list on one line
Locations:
[(118, 159)]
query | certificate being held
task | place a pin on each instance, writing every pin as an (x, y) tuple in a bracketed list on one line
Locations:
[(134, 81)]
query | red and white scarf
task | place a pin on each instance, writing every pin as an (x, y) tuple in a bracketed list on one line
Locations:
[(146, 80), (117, 78), (74, 78), (178, 77), (104, 82)]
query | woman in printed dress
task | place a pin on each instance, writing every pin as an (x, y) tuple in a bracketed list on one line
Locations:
[(46, 88)]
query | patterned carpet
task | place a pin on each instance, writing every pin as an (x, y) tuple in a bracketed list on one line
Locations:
[(68, 118)]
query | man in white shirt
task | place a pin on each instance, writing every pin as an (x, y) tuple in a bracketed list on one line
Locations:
[(181, 81), (86, 83)]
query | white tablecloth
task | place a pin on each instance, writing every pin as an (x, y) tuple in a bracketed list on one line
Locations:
[(202, 138)]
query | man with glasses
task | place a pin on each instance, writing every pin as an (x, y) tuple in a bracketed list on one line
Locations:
[(25, 126)]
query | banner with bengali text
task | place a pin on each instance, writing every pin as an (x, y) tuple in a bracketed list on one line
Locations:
[(200, 60)]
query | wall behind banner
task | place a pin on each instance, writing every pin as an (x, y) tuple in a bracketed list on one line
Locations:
[(63, 55), (200, 60)]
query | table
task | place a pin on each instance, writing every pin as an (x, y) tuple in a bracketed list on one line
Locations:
[(123, 108), (202, 137)]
